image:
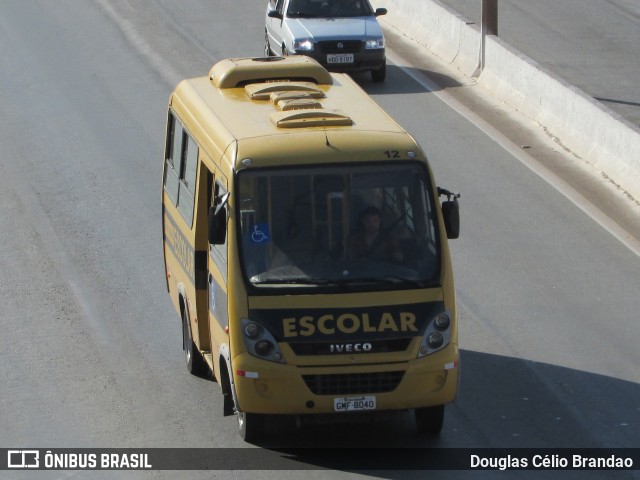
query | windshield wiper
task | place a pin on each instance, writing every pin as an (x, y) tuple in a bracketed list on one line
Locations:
[(294, 281), (387, 279)]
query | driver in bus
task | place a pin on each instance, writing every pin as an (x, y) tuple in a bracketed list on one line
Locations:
[(371, 241)]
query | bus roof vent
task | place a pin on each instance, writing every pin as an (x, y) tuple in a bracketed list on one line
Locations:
[(310, 118), (278, 96), (237, 72), (263, 91), (298, 104)]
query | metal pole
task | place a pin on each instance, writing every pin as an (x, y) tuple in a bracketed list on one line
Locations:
[(489, 25)]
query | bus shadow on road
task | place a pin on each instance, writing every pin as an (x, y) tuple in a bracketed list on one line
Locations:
[(503, 402)]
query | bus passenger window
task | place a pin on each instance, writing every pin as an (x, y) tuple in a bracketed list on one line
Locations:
[(187, 188), (173, 160), (181, 164)]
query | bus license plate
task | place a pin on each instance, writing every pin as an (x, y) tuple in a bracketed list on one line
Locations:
[(354, 404), (340, 58)]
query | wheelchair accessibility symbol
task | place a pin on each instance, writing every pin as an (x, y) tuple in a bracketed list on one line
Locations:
[(260, 233)]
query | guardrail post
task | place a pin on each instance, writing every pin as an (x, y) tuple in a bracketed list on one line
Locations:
[(489, 25)]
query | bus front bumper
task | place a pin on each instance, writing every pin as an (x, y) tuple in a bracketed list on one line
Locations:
[(265, 387)]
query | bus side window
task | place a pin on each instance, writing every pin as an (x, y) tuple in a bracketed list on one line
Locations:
[(187, 189), (180, 168), (173, 158)]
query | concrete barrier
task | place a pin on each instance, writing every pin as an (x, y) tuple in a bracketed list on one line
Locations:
[(437, 27), (589, 129)]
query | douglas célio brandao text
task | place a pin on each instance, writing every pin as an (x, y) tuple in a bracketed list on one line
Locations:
[(550, 461)]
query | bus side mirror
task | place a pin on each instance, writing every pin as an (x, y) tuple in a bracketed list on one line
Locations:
[(274, 14), (217, 226), (451, 216), (451, 213), (380, 11)]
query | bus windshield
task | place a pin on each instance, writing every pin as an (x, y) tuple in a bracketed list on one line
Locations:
[(358, 225)]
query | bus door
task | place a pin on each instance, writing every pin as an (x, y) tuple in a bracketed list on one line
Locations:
[(217, 277)]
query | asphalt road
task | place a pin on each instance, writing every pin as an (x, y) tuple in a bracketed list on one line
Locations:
[(593, 44), (90, 350)]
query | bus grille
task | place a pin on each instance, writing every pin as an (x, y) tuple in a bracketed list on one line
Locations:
[(353, 383)]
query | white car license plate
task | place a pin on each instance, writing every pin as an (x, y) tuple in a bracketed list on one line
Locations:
[(340, 58), (354, 404)]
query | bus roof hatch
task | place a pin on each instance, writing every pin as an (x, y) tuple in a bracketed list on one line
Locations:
[(310, 118), (237, 72)]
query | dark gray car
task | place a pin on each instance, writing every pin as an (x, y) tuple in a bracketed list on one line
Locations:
[(343, 35)]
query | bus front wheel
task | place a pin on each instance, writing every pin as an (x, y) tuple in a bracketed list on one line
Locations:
[(250, 426), (429, 420)]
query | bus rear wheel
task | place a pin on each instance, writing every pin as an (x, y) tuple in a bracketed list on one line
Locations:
[(429, 420), (193, 358)]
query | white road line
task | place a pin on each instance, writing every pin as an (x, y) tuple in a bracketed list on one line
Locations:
[(164, 68)]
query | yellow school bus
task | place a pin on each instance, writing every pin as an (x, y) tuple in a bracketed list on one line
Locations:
[(305, 247)]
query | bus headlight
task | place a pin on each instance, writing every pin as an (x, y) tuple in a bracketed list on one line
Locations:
[(252, 330), (264, 348), (442, 321), (260, 343), (438, 334), (435, 340)]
